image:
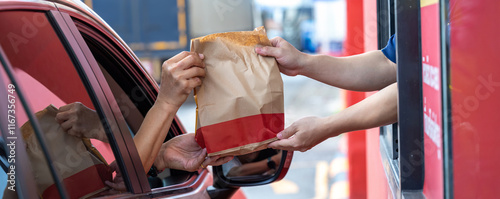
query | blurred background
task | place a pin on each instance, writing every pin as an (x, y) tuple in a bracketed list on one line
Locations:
[(159, 29)]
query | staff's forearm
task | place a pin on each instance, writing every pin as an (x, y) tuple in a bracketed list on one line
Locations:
[(365, 72), (377, 110)]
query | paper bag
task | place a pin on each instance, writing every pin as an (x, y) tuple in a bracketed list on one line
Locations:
[(240, 102), (80, 165)]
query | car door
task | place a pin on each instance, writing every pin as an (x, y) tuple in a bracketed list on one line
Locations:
[(134, 91), (59, 55), (48, 73), (131, 92)]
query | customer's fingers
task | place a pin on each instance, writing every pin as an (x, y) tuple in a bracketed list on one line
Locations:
[(221, 161), (192, 72), (67, 125), (113, 166), (181, 56), (63, 116), (190, 61), (216, 160), (276, 41), (185, 60), (67, 107), (268, 51), (116, 186)]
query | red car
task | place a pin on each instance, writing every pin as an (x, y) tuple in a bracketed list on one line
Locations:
[(55, 53)]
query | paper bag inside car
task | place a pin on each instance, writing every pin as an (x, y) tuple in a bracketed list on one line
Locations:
[(80, 165)]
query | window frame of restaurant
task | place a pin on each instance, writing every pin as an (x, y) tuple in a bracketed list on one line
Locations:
[(444, 19), (401, 144)]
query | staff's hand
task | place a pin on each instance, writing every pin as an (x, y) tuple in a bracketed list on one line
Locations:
[(183, 153), (180, 75), (302, 135), (288, 57), (80, 121)]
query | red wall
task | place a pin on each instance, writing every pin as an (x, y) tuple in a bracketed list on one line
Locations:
[(354, 44), (363, 146), (375, 175), (475, 94)]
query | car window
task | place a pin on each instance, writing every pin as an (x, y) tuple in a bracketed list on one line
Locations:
[(16, 171), (58, 97), (134, 95)]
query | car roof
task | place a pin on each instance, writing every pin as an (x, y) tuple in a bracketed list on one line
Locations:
[(82, 10), (85, 11)]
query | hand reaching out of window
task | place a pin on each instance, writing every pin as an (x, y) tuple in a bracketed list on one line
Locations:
[(183, 153)]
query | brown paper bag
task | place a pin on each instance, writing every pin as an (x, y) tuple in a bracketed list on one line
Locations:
[(240, 103), (81, 166)]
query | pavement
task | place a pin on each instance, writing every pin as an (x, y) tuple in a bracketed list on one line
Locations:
[(318, 173)]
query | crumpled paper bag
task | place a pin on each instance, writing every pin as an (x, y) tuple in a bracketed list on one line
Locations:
[(80, 165), (240, 102)]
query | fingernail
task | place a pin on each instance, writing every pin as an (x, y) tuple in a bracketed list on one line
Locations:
[(280, 135), (201, 56), (258, 49)]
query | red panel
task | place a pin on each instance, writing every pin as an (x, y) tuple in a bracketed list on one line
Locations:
[(354, 44), (354, 41), (431, 88), (475, 95), (377, 185), (370, 24), (376, 180), (239, 195), (239, 132), (94, 177)]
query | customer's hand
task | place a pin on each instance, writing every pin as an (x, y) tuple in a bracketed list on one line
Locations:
[(183, 153), (80, 121), (118, 185), (288, 57), (302, 135), (180, 75)]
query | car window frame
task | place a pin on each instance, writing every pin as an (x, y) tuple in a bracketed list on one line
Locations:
[(90, 18), (122, 143), (119, 49), (401, 144), (48, 9), (74, 51), (147, 82), (126, 56)]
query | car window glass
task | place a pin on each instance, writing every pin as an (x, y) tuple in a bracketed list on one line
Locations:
[(65, 111), (11, 145), (132, 99)]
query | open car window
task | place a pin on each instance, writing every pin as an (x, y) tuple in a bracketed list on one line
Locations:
[(66, 110), (134, 96)]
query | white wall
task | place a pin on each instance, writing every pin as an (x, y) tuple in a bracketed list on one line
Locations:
[(212, 16)]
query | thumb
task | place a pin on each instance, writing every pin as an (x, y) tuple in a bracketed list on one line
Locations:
[(268, 51), (113, 166), (116, 186), (285, 144), (286, 133)]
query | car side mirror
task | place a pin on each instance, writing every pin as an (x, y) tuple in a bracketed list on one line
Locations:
[(257, 168)]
